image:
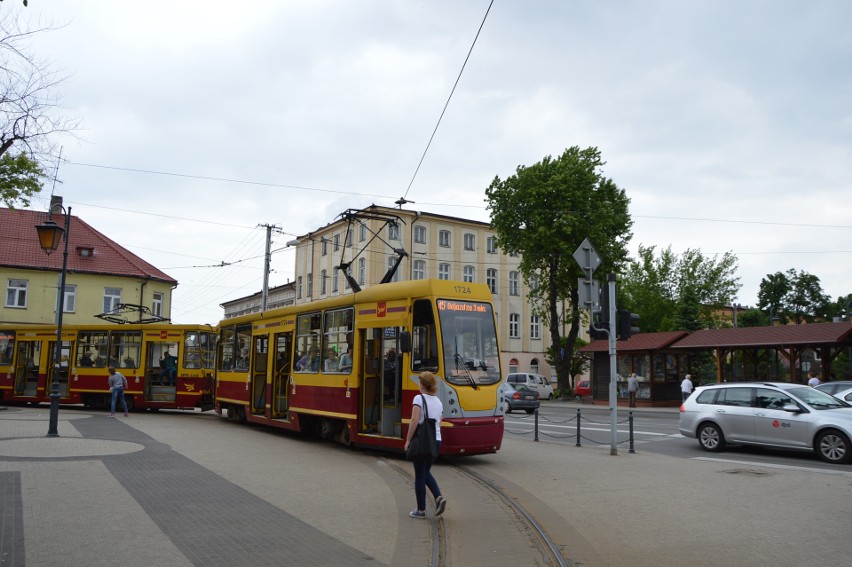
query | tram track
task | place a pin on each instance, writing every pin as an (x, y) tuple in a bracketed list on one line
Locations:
[(484, 524)]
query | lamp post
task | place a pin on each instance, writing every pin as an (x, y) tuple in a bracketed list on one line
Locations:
[(49, 235)]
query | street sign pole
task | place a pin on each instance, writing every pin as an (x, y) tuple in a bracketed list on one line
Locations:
[(613, 369)]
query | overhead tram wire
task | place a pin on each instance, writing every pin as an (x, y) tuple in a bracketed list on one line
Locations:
[(446, 104)]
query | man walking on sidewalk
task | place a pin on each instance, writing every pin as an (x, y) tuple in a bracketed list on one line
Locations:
[(117, 384)]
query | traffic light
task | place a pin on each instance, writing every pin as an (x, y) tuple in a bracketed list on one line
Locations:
[(626, 324), (600, 317)]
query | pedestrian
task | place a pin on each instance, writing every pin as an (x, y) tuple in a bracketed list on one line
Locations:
[(813, 381), (686, 387), (632, 389), (117, 384), (423, 469), (168, 366)]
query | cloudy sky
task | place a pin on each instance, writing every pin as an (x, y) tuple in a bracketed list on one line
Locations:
[(728, 123)]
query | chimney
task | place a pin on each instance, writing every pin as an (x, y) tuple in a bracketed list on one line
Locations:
[(54, 201)]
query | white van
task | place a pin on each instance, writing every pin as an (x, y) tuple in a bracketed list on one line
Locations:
[(536, 382)]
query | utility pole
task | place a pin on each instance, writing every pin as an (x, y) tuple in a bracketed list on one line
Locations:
[(266, 264)]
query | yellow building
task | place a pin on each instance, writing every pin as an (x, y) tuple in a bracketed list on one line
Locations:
[(101, 276), (368, 242)]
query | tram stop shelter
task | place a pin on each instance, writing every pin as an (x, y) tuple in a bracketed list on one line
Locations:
[(780, 353)]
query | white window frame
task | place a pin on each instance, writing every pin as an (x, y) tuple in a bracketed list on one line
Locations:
[(16, 293), (363, 233), (420, 234), (157, 304), (362, 271), (469, 241), (299, 287), (444, 239), (393, 231), (514, 325), (419, 270), (70, 302), (335, 283), (323, 275), (514, 283), (391, 262), (445, 271), (491, 280), (111, 298), (535, 327), (469, 274), (491, 245), (310, 286)]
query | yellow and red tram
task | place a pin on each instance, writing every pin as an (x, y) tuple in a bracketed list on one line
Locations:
[(347, 367), (27, 364)]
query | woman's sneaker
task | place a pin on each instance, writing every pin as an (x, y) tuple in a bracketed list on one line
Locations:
[(440, 505), (419, 514)]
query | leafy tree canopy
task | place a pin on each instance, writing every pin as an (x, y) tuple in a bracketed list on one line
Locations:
[(795, 296), (20, 179), (678, 292), (543, 213)]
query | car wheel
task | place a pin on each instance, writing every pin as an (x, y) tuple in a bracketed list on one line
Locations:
[(710, 437), (507, 408), (833, 447)]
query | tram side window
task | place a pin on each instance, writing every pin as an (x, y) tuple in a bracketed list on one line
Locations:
[(125, 349), (242, 345), (226, 348), (92, 348), (424, 354), (208, 350), (199, 350), (7, 346), (308, 344), (337, 334)]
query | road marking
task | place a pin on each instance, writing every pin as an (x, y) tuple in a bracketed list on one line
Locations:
[(774, 466)]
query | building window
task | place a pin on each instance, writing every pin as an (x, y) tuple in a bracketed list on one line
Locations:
[(363, 232), (514, 325), (362, 271), (391, 262), (70, 298), (16, 293), (393, 231), (112, 297), (299, 287), (534, 366), (420, 234), (310, 285), (322, 282), (469, 272), (349, 238), (157, 304), (334, 283), (491, 245), (535, 327), (444, 238), (491, 280), (534, 282), (444, 271), (514, 283), (419, 270), (336, 242), (324, 245), (469, 241)]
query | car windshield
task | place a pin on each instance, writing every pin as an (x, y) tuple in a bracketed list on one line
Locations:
[(817, 399)]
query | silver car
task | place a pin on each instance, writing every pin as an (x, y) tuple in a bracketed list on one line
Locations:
[(787, 416)]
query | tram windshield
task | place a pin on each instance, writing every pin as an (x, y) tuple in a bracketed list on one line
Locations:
[(470, 354)]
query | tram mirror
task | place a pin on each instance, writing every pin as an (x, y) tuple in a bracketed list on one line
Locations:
[(405, 341)]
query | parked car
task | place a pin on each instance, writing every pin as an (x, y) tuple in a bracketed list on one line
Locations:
[(582, 389), (519, 396), (845, 395), (781, 415), (834, 386), (536, 382)]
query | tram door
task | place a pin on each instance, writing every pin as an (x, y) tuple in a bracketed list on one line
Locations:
[(65, 357), (281, 377), (26, 368), (259, 371), (159, 385), (381, 394)]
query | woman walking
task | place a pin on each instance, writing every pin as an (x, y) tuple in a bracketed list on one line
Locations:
[(423, 469)]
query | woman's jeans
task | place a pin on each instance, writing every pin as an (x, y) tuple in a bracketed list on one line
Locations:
[(423, 478), (118, 391)]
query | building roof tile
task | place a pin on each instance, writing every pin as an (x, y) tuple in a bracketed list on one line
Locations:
[(19, 248)]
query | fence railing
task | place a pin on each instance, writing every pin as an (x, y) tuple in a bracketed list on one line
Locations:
[(578, 419)]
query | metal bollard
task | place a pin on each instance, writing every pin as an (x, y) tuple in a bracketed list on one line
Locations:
[(578, 427), (536, 425), (630, 422)]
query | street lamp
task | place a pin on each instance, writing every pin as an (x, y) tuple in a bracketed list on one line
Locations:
[(49, 235)]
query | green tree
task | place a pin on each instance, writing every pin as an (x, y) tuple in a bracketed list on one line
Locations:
[(753, 318), (20, 179), (543, 213), (679, 292), (795, 296)]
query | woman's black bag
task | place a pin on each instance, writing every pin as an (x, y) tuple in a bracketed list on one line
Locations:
[(424, 445)]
